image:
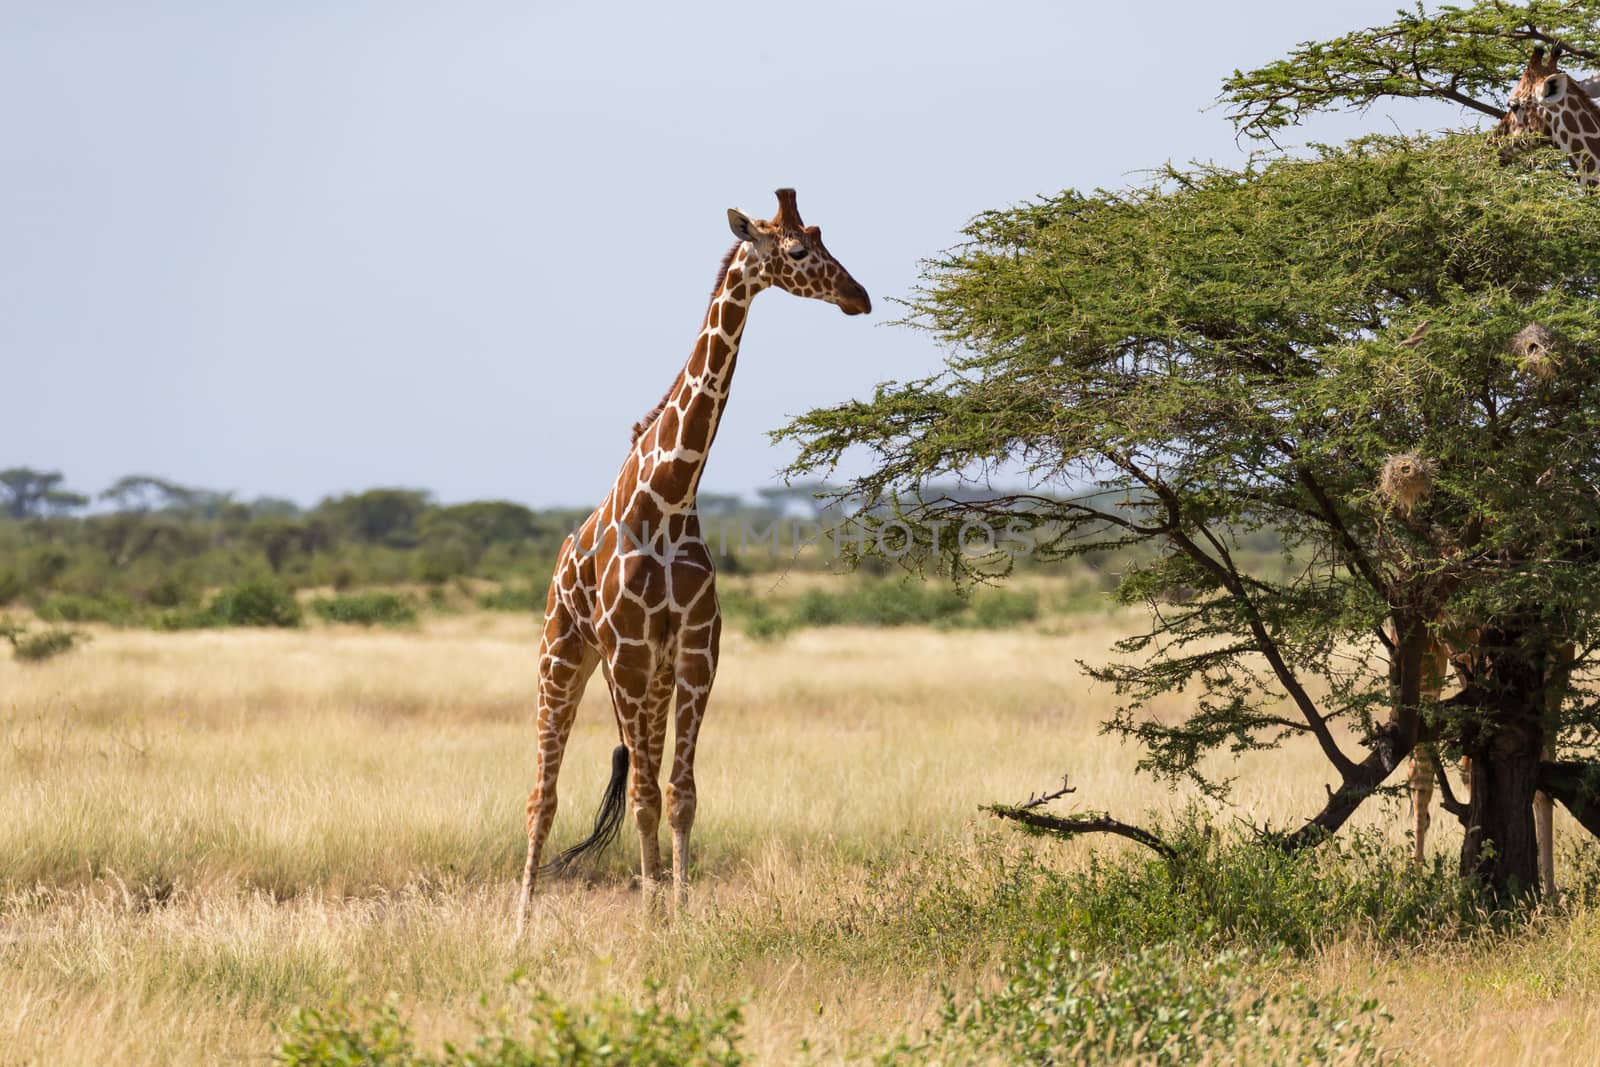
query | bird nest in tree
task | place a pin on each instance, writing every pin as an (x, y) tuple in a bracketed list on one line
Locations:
[(1535, 348), (1406, 480)]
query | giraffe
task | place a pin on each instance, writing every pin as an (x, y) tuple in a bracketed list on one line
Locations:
[(634, 587), (1406, 480), (1545, 102), (1548, 102)]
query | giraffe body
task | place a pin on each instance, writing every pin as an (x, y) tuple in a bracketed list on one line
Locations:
[(634, 588)]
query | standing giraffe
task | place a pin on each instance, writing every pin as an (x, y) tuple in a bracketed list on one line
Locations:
[(1546, 102), (634, 588), (1549, 102), (1406, 481)]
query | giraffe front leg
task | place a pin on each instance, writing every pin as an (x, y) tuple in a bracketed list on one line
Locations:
[(697, 670), (565, 665)]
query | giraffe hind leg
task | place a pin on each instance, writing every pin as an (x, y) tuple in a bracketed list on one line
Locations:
[(697, 671), (565, 664)]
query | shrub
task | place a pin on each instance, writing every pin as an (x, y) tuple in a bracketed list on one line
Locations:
[(367, 609), (63, 607), (1157, 1007), (255, 604), (999, 609), (879, 604), (545, 1034), (515, 598), (35, 648), (246, 604), (763, 624)]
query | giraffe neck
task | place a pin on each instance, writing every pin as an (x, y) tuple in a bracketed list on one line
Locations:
[(671, 453), (1575, 128)]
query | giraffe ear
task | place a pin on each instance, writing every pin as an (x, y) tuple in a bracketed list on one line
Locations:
[(743, 226), (1553, 88)]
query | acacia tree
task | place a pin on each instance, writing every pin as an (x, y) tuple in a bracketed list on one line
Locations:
[(1219, 353), (1469, 56)]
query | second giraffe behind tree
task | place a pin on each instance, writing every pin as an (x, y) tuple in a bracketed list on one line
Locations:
[(634, 588)]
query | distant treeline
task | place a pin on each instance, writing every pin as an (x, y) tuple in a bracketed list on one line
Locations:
[(146, 546), (148, 551)]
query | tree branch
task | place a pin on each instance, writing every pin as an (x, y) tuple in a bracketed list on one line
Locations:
[(1072, 826)]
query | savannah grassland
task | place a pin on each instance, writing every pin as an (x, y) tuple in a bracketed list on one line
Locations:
[(200, 831)]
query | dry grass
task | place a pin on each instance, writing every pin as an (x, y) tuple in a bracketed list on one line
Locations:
[(202, 830)]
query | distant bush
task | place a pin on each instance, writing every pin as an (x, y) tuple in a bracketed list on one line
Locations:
[(764, 624), (515, 598), (882, 604), (37, 647), (246, 604), (68, 607), (546, 1034), (376, 608), (1153, 1007), (999, 609), (879, 604)]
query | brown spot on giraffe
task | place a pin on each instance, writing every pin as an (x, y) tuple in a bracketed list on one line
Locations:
[(634, 586)]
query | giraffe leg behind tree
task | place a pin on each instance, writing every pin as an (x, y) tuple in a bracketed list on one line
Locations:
[(565, 665), (1423, 769)]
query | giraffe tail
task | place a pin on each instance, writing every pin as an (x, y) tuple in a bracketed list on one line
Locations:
[(607, 819)]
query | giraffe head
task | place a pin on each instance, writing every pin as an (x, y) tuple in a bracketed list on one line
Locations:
[(1525, 112), (785, 252)]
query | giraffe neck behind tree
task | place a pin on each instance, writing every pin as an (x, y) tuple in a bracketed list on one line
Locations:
[(634, 586)]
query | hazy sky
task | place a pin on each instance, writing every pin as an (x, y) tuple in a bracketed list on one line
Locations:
[(297, 248)]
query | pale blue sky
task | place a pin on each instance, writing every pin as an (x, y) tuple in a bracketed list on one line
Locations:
[(297, 248)]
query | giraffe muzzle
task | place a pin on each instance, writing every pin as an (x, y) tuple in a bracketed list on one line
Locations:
[(855, 301)]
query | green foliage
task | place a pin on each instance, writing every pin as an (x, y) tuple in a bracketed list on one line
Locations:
[(545, 1033), (516, 597), (1467, 56), (376, 608), (252, 603), (1225, 891), (1221, 354), (1155, 1007), (37, 647), (111, 608)]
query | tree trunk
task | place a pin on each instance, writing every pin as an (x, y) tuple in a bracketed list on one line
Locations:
[(1500, 848), (1505, 740)]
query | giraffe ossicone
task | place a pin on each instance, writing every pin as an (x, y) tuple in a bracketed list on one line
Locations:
[(634, 588)]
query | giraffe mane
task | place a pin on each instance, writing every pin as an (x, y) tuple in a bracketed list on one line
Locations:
[(654, 413)]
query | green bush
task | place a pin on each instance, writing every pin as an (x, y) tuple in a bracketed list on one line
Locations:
[(35, 648), (999, 609), (245, 604), (65, 607), (1226, 890), (1155, 1007), (879, 604), (515, 598), (763, 624), (367, 609), (545, 1033), (255, 604)]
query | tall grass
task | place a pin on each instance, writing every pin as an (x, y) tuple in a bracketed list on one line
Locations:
[(205, 831)]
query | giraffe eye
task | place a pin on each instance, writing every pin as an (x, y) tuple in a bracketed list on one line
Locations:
[(800, 253)]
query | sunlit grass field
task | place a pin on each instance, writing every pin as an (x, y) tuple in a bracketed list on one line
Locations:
[(201, 831)]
